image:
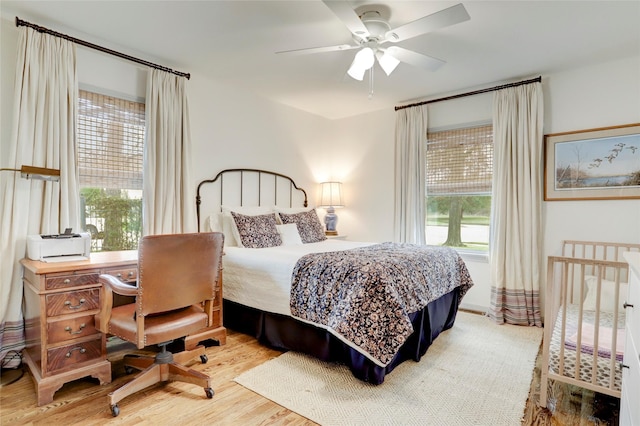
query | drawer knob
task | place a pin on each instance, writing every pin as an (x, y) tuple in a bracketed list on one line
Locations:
[(77, 348), (130, 273), (68, 304), (119, 275), (68, 329), (627, 305), (66, 281)]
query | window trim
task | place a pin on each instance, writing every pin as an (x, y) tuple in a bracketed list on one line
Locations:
[(473, 255)]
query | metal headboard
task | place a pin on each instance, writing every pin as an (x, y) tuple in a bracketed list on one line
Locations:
[(292, 186)]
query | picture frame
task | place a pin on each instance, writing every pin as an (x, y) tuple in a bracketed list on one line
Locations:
[(593, 164)]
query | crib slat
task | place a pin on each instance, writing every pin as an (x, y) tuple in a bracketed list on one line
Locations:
[(566, 286), (614, 333)]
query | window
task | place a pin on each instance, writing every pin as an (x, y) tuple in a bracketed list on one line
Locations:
[(459, 166), (110, 156)]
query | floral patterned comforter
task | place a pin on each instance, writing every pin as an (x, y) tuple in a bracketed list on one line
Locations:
[(365, 295)]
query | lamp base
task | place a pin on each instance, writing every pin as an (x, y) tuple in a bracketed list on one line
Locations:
[(330, 220)]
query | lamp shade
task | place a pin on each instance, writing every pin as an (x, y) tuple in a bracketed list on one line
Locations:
[(361, 62), (331, 194), (387, 62)]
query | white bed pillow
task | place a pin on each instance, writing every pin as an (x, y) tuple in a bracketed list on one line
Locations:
[(289, 234), (309, 226), (218, 222), (231, 238), (607, 295), (214, 223)]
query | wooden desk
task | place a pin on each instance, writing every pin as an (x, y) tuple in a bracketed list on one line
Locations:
[(60, 302)]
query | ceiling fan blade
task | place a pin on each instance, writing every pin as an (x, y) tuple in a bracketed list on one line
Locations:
[(414, 58), (319, 49), (446, 17), (348, 16)]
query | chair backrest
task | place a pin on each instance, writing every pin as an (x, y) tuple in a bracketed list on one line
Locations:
[(177, 270)]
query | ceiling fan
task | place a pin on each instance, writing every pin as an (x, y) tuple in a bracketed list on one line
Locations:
[(370, 31)]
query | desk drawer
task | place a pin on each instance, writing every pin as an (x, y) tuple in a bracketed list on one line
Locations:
[(72, 301), (124, 274), (59, 331), (68, 356), (67, 281)]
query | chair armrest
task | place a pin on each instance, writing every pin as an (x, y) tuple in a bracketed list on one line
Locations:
[(110, 285), (117, 286)]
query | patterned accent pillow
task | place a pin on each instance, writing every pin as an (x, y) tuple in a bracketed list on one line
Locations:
[(309, 226), (257, 231)]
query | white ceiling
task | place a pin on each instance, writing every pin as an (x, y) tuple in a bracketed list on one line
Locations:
[(234, 42)]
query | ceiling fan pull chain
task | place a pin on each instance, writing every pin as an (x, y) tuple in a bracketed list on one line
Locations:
[(371, 82)]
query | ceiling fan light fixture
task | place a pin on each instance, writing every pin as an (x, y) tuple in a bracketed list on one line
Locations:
[(356, 73), (370, 29), (363, 60), (387, 62)]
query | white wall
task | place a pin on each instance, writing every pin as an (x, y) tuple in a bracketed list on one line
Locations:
[(232, 128), (604, 95), (363, 158), (364, 161), (229, 128), (607, 94), (110, 75)]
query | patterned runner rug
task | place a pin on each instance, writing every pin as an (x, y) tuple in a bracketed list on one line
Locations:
[(477, 373)]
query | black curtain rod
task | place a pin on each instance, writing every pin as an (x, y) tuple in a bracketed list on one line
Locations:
[(475, 92), (20, 22)]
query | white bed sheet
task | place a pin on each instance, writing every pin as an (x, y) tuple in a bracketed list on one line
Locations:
[(261, 278)]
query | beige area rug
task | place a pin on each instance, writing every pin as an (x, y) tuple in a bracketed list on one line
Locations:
[(476, 373)]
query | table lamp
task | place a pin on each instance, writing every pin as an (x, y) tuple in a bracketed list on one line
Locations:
[(330, 198)]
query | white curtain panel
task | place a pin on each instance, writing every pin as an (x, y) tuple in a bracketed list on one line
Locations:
[(45, 109), (410, 195), (516, 224), (168, 203)]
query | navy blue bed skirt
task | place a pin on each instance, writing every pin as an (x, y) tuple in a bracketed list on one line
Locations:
[(285, 333)]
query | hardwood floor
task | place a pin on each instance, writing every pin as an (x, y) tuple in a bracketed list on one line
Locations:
[(84, 402), (569, 405)]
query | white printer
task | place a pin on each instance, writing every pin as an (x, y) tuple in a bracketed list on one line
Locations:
[(59, 247)]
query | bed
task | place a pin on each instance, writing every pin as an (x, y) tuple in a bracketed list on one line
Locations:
[(585, 317), (370, 306)]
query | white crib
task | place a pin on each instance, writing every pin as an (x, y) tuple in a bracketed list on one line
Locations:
[(584, 316)]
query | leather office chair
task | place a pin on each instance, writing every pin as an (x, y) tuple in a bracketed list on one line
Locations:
[(177, 277)]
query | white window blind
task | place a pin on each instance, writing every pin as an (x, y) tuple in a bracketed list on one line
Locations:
[(110, 141), (459, 161)]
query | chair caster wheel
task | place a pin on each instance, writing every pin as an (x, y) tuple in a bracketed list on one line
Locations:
[(204, 358), (115, 410), (209, 392)]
